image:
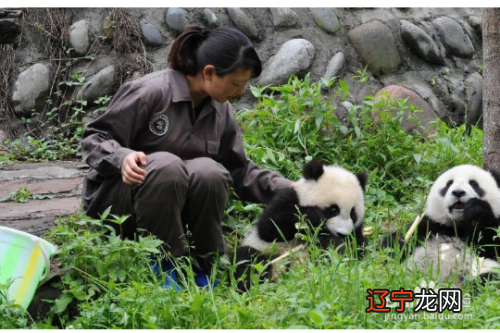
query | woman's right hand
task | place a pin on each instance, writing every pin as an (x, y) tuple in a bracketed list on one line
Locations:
[(132, 173)]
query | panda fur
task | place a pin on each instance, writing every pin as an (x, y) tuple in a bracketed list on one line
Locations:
[(457, 234), (329, 197)]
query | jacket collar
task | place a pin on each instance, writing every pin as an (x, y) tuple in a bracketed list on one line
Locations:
[(180, 89)]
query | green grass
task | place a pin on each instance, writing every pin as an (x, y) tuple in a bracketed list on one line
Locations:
[(108, 284)]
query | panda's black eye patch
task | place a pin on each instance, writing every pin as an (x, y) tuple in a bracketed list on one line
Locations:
[(475, 185), (354, 216), (332, 211), (445, 189)]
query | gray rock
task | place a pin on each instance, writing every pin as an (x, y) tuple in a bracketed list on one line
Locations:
[(31, 90), (99, 85), (342, 113), (294, 57), (244, 22), (476, 24), (450, 90), (151, 34), (79, 37), (474, 93), (89, 68), (177, 19), (326, 19), (456, 41), (376, 46), (284, 17), (335, 66), (210, 18), (420, 43)]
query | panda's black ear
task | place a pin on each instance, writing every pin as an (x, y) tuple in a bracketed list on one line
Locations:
[(313, 170), (362, 178), (495, 175)]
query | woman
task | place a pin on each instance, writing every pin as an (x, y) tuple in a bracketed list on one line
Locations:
[(169, 148)]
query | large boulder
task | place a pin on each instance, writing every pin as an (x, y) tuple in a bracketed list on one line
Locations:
[(284, 17), (31, 90), (376, 46), (294, 57), (98, 86), (456, 41), (420, 42), (79, 37), (399, 92), (177, 19), (326, 19), (474, 94), (244, 22), (450, 89), (151, 34)]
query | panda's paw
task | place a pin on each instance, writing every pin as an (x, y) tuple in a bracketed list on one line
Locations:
[(476, 209)]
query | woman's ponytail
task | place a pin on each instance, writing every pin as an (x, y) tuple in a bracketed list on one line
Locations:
[(182, 56), (224, 48)]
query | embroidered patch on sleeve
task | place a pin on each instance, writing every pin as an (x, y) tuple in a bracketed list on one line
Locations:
[(159, 125)]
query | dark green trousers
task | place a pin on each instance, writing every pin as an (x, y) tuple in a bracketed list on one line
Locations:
[(180, 202)]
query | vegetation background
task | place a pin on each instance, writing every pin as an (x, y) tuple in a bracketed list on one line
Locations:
[(107, 282)]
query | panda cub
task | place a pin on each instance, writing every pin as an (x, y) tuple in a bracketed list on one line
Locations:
[(458, 232), (329, 197)]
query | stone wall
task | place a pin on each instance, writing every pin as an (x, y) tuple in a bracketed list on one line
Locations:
[(431, 55)]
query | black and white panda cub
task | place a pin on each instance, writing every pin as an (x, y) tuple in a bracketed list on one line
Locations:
[(327, 196), (458, 232)]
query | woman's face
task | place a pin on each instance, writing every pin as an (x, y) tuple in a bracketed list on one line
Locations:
[(227, 87)]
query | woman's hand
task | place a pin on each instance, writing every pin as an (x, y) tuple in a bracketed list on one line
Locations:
[(131, 172)]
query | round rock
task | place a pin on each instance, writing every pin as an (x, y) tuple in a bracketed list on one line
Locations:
[(99, 85), (376, 46), (294, 57), (79, 37), (210, 18), (420, 43), (244, 22), (476, 24), (326, 19), (399, 92), (31, 90), (177, 19), (284, 17), (151, 34), (335, 66), (474, 93), (456, 41)]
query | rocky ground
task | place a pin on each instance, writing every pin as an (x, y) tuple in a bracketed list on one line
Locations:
[(53, 190)]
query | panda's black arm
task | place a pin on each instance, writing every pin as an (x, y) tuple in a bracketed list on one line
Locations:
[(277, 222), (482, 230), (396, 239), (481, 212)]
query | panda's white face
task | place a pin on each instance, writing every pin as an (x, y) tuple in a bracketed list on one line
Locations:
[(338, 194), (452, 190)]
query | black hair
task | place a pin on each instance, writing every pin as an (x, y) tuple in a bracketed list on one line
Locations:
[(226, 49)]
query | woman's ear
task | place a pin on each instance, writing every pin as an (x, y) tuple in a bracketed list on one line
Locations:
[(208, 73)]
